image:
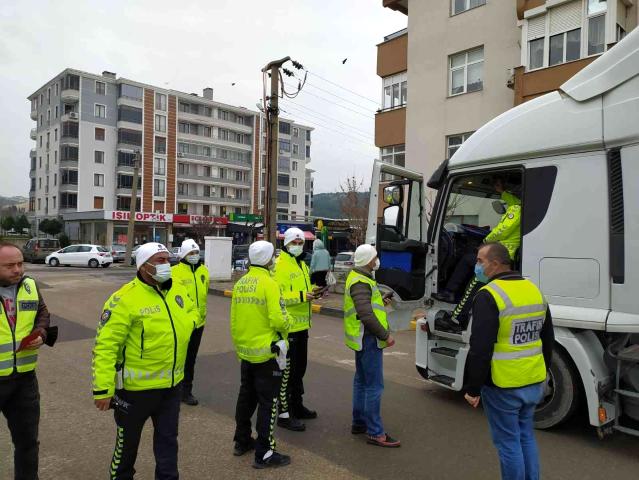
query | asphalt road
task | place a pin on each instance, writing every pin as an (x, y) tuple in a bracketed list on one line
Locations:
[(442, 438)]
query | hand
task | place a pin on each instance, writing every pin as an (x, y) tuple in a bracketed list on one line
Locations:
[(472, 401), (310, 296), (103, 404), (387, 301), (390, 341), (35, 344)]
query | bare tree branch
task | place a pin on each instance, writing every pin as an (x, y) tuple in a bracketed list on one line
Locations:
[(354, 208)]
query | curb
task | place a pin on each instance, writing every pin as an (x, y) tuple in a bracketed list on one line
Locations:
[(328, 311)]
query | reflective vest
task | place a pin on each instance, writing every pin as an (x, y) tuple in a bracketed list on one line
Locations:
[(518, 358), (27, 300), (143, 336), (353, 327), (195, 278), (507, 231), (294, 281), (258, 316)]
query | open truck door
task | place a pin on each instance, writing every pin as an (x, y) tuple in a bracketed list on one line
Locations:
[(397, 226)]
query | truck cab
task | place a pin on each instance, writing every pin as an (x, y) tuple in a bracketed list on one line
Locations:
[(556, 179)]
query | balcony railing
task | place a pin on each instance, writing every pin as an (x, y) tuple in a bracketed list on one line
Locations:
[(215, 198), (222, 181), (224, 161)]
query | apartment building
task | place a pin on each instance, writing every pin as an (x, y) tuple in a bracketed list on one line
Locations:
[(198, 158), (463, 62)]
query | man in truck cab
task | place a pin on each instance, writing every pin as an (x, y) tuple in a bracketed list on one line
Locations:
[(507, 232), (510, 352)]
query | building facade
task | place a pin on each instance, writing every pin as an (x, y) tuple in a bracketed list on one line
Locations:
[(198, 158), (464, 62)]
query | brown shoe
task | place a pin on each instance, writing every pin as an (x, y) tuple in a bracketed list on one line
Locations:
[(384, 441)]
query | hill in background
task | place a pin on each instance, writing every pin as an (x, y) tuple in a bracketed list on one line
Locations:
[(327, 205)]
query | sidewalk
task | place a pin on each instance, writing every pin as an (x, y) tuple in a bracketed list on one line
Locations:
[(331, 304)]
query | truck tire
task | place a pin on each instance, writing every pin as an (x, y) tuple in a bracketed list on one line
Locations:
[(562, 395)]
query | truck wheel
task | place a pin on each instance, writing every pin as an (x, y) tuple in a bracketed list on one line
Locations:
[(562, 392)]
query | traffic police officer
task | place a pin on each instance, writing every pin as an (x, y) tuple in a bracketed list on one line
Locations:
[(292, 275), (259, 326), (194, 276), (142, 340), (24, 328), (510, 350)]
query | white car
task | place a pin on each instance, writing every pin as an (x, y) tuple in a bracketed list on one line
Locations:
[(344, 262), (92, 256)]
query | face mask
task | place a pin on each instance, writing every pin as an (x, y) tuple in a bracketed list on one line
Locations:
[(480, 274), (296, 250), (193, 259), (376, 266), (162, 272)]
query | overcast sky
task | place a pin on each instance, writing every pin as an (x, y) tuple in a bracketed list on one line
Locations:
[(189, 45)]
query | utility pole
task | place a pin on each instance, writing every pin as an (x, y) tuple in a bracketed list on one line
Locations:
[(134, 200), (272, 114)]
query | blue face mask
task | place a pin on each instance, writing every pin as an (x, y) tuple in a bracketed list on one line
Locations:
[(480, 274)]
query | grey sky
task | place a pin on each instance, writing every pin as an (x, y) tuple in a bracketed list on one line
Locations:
[(189, 45)]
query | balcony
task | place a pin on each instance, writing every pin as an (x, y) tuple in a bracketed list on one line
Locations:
[(32, 173), (32, 153), (247, 164), (213, 180), (69, 140), (71, 116), (129, 101), (390, 127), (392, 55), (33, 134), (214, 122), (34, 114), (226, 200), (68, 163), (68, 187), (70, 95)]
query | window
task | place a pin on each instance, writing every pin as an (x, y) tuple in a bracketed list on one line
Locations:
[(158, 187), (296, 132), (596, 34), (206, 191), (206, 210), (55, 134), (40, 183), (207, 171), (294, 183), (130, 137), (130, 114), (565, 47), (621, 33), (55, 157), (182, 208), (98, 203), (285, 146), (285, 128), (459, 6), (283, 180), (395, 91), (49, 96), (596, 6), (308, 135), (160, 123), (183, 188), (98, 180), (282, 197), (294, 197), (98, 156), (54, 198), (453, 142), (68, 153), (56, 88), (40, 203), (394, 155), (70, 129), (296, 149), (294, 166), (184, 168), (100, 88), (466, 71), (536, 53), (160, 102), (99, 111), (57, 111), (126, 181), (69, 177), (308, 151), (131, 91), (99, 133), (126, 159), (159, 166), (55, 179)]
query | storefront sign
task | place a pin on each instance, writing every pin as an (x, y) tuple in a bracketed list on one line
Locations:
[(245, 217), (139, 216), (195, 219)]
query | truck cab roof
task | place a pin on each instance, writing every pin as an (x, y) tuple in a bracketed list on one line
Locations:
[(567, 120)]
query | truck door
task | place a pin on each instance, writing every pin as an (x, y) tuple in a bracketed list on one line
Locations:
[(397, 228)]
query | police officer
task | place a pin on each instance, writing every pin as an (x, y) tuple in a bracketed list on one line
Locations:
[(194, 276), (510, 351), (259, 326), (24, 325), (366, 331), (292, 275), (142, 340)]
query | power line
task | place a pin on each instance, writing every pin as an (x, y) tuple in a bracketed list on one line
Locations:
[(337, 96), (321, 116), (369, 116), (344, 88)]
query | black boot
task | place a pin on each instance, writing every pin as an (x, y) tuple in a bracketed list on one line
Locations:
[(187, 396), (291, 423), (240, 449), (304, 413), (275, 460)]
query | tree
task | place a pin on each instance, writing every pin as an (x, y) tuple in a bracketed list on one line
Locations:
[(22, 223), (204, 227), (7, 223), (51, 226), (354, 207)]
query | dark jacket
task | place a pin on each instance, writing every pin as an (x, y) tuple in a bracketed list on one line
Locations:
[(484, 335), (362, 295)]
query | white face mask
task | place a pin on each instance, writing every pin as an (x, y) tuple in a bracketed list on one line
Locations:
[(193, 259), (376, 266), (296, 250), (162, 272)]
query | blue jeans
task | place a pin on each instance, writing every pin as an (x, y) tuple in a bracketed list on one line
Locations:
[(510, 414), (368, 386)]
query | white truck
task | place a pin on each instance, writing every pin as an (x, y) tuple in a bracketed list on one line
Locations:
[(572, 158)]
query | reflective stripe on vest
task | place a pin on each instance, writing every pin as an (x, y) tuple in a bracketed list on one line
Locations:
[(353, 327), (517, 358)]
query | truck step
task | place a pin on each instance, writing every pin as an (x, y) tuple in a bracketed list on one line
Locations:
[(448, 335), (626, 430), (445, 351), (443, 379), (626, 393)]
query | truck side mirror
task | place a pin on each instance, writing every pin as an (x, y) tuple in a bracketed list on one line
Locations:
[(393, 195)]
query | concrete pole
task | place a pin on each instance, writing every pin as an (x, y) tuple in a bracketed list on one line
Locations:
[(134, 198)]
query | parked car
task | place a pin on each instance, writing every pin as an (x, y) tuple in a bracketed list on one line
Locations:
[(133, 252), (37, 249), (240, 252), (92, 256), (118, 252), (344, 262), (174, 255)]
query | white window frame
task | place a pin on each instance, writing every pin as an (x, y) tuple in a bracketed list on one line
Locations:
[(465, 136), (98, 179), (296, 132), (95, 110), (156, 170), (465, 66), (98, 82), (565, 46), (296, 149), (294, 182), (388, 83), (467, 7), (159, 95), (95, 157), (294, 166), (585, 52), (156, 190), (158, 127)]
